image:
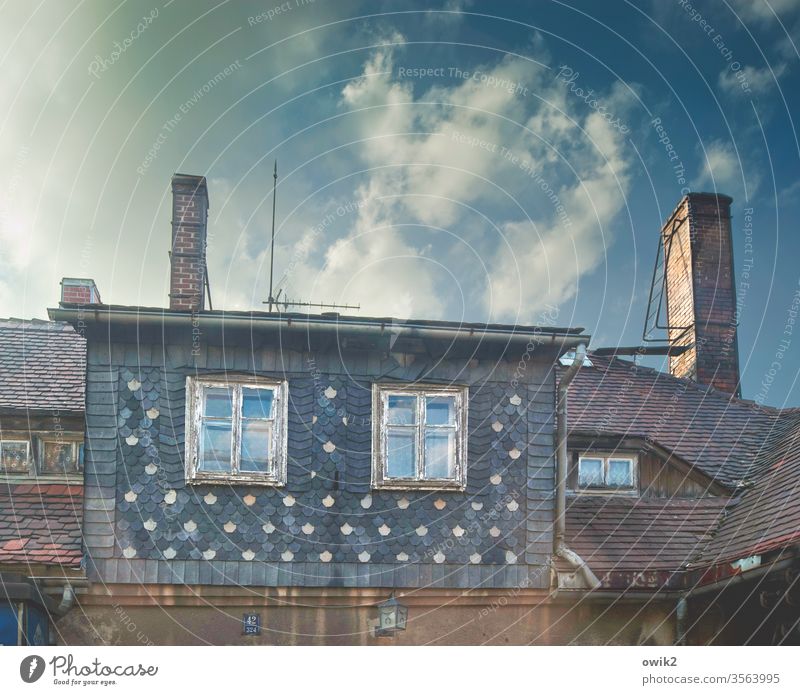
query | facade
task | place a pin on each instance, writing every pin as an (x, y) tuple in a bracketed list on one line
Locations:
[(42, 376), (171, 514), (254, 477)]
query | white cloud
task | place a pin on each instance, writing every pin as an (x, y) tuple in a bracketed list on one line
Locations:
[(751, 80), (433, 158), (449, 226), (721, 168), (763, 10)]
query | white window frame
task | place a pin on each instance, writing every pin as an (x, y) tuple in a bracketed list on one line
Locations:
[(380, 395), (605, 487), (276, 475)]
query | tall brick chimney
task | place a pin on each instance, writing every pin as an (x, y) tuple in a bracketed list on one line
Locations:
[(700, 291), (188, 253)]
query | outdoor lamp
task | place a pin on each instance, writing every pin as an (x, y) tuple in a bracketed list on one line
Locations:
[(392, 617)]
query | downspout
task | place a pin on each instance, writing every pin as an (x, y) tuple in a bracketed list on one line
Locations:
[(560, 548), (67, 600), (681, 615)]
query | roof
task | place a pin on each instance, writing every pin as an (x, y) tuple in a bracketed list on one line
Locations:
[(752, 450), (766, 516), (636, 541), (110, 322), (41, 524), (42, 366), (333, 319), (721, 436)]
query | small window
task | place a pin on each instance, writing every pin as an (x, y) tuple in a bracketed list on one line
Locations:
[(238, 431), (15, 456), (60, 456), (596, 472), (419, 437)]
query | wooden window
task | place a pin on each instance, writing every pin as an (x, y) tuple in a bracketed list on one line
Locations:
[(59, 456), (47, 454), (15, 456), (419, 436), (606, 472), (237, 430)]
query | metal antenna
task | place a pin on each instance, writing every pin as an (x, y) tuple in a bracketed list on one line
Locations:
[(286, 303), (271, 299)]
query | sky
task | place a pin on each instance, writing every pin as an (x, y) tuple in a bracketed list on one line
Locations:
[(480, 161)]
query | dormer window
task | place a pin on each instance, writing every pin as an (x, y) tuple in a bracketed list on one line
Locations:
[(606, 472), (42, 455)]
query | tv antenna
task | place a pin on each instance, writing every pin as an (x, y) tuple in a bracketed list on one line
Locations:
[(274, 300)]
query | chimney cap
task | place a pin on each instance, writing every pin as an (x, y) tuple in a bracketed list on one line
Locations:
[(196, 181), (720, 197), (192, 179)]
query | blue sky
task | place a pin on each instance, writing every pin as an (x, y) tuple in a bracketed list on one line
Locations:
[(475, 160)]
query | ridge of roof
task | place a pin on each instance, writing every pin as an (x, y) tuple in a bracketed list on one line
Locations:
[(13, 322), (683, 381)]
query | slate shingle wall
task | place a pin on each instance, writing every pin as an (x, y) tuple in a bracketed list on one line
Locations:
[(326, 527)]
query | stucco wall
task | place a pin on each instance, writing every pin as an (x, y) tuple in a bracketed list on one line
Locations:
[(492, 617)]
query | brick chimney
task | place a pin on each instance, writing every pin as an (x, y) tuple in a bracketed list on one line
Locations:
[(700, 291), (79, 291), (188, 253)]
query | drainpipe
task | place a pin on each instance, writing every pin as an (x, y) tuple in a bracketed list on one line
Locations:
[(67, 600), (681, 614), (560, 548)]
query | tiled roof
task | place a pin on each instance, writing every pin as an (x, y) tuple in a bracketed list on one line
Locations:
[(767, 515), (720, 436), (623, 536), (41, 524), (42, 366), (754, 450)]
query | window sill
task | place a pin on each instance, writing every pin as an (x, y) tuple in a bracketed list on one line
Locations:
[(429, 485), (603, 492), (235, 480), (22, 479)]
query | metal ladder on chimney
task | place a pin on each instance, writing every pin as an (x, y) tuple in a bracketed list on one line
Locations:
[(658, 289)]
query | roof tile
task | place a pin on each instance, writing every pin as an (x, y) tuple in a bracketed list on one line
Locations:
[(42, 366)]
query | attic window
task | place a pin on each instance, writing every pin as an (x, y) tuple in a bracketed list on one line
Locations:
[(237, 430), (15, 456), (46, 455), (419, 436), (602, 472), (59, 456)]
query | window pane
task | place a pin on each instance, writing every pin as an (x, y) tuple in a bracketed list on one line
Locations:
[(255, 447), (215, 448), (401, 410), (218, 402), (257, 403), (440, 453), (401, 454), (14, 457), (58, 457), (590, 472), (440, 410), (620, 473)]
